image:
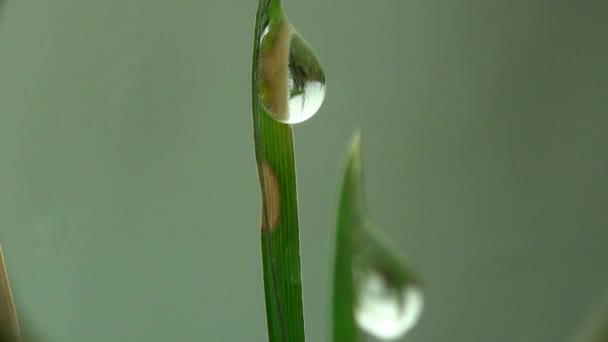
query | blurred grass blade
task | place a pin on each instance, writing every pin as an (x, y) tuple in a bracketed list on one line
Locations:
[(595, 328), (343, 296), (279, 232), (9, 325), (374, 291)]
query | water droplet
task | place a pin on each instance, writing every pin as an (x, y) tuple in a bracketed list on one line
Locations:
[(389, 297), (291, 81), (386, 308)]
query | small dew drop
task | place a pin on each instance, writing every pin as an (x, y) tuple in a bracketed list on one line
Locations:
[(291, 81), (386, 310)]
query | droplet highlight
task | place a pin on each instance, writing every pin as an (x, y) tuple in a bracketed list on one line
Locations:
[(386, 310), (291, 81)]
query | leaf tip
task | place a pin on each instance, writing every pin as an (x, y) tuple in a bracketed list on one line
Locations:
[(354, 152), (356, 140)]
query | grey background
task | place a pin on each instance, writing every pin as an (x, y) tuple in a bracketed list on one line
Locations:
[(129, 203)]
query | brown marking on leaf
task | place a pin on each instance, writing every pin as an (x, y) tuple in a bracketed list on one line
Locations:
[(272, 197)]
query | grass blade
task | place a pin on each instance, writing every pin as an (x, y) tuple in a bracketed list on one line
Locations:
[(9, 325), (595, 328), (344, 327), (374, 291), (280, 232)]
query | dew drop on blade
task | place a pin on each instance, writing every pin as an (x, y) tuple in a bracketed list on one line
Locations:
[(291, 81), (386, 310)]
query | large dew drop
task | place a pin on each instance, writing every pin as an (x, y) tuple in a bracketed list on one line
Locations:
[(291, 81), (384, 309)]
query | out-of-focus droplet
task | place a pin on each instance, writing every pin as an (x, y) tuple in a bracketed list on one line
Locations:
[(386, 309), (291, 81)]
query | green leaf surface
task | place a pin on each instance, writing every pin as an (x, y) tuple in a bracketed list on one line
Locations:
[(363, 254), (280, 231)]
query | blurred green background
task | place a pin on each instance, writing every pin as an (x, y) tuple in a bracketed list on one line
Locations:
[(129, 208)]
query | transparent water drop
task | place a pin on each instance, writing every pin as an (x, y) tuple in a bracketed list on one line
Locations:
[(386, 309), (291, 81), (389, 298)]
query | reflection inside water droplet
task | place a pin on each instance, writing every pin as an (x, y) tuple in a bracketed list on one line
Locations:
[(304, 100), (384, 310), (291, 81)]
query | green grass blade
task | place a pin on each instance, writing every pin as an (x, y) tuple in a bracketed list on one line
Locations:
[(350, 200), (280, 232), (595, 328), (374, 291), (9, 325)]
